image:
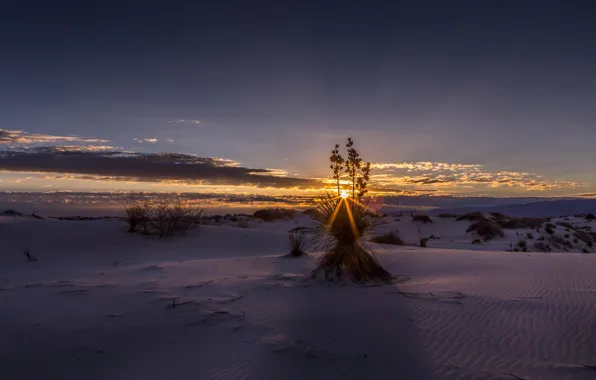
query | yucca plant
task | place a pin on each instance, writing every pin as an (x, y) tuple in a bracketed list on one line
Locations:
[(340, 223), (297, 244)]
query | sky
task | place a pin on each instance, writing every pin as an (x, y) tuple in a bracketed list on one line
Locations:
[(482, 98)]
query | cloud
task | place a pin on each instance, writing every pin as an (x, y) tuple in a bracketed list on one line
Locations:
[(587, 195), (426, 166), (184, 121), (8, 136), (149, 140), (153, 167), (458, 178)]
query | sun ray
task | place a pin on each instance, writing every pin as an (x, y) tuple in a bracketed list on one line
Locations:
[(334, 215), (352, 223)]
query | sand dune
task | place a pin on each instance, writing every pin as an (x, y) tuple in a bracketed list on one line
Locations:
[(222, 303)]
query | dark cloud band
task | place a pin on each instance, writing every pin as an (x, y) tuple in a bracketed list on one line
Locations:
[(144, 167)]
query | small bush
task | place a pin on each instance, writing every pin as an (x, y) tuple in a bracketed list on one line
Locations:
[(522, 245), (447, 215), (242, 224), (540, 246), (476, 241), (391, 238), (137, 212), (486, 229), (530, 236), (11, 212), (165, 217), (559, 242), (474, 216), (566, 225), (30, 257), (590, 217), (297, 244), (421, 218), (518, 223), (549, 230), (271, 214)]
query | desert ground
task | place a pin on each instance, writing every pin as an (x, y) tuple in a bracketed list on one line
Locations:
[(225, 302)]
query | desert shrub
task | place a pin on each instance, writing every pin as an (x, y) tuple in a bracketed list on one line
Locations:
[(549, 230), (559, 242), (590, 217), (339, 226), (530, 236), (30, 257), (137, 213), (476, 241), (522, 245), (164, 217), (391, 238), (486, 229), (541, 246), (242, 224), (474, 216), (566, 225), (421, 218), (498, 215), (297, 244), (171, 215), (518, 223), (11, 212), (583, 236), (271, 214), (447, 215)]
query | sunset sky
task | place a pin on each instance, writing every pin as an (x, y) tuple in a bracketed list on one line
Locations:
[(443, 97)]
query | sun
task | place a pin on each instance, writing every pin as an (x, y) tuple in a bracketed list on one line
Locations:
[(344, 194)]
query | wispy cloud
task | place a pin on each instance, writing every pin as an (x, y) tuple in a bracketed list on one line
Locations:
[(8, 136), (149, 140), (459, 177), (184, 121)]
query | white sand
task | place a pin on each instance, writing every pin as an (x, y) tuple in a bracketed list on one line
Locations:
[(98, 305)]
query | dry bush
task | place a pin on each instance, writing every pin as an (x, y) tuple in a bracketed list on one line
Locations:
[(11, 212), (391, 238), (530, 235), (297, 244), (340, 225), (271, 214), (541, 246), (590, 217), (474, 216), (518, 223), (446, 215), (242, 224), (137, 213), (583, 236), (421, 218), (522, 245), (559, 242), (164, 217), (172, 215), (486, 229), (566, 225)]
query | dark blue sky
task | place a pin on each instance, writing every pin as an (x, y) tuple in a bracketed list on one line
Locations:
[(509, 85)]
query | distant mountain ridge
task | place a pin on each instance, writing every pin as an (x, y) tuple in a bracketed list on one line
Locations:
[(550, 208)]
